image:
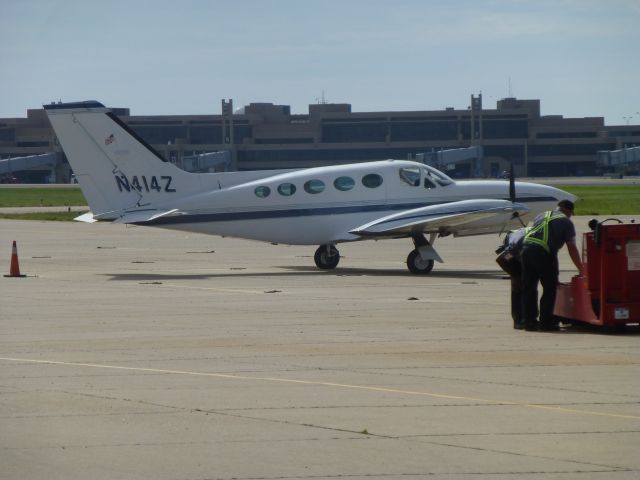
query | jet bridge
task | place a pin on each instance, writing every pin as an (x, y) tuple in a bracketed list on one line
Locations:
[(207, 162), (448, 159), (19, 166), (620, 160)]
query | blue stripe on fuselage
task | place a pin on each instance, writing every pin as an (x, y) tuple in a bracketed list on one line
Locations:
[(300, 212)]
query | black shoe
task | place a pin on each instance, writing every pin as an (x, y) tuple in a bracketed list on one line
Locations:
[(518, 325), (531, 326), (549, 327)]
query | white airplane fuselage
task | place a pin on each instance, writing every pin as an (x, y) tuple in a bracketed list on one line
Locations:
[(328, 217)]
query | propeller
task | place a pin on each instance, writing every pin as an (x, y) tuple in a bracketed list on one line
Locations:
[(512, 191), (512, 184), (512, 197)]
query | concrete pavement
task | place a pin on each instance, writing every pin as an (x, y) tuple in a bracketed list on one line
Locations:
[(139, 353)]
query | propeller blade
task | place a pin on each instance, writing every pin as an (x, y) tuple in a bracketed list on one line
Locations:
[(512, 184)]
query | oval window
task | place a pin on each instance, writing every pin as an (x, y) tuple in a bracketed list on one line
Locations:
[(286, 189), (372, 180), (262, 191), (344, 183), (314, 186)]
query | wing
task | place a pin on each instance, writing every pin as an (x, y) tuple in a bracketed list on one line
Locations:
[(465, 217)]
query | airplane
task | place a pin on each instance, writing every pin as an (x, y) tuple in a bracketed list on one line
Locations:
[(124, 180)]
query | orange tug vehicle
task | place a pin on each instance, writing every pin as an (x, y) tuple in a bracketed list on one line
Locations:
[(609, 293)]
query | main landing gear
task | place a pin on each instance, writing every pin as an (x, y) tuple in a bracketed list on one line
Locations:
[(418, 265), (419, 260), (327, 257)]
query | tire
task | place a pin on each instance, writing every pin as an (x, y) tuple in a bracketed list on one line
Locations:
[(417, 265), (327, 259)]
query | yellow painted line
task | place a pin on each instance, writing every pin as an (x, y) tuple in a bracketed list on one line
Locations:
[(324, 384)]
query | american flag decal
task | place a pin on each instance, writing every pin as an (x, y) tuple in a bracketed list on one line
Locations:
[(109, 140)]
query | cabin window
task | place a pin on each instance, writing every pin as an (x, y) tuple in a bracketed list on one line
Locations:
[(314, 186), (372, 180), (286, 189), (410, 175), (344, 183), (262, 191)]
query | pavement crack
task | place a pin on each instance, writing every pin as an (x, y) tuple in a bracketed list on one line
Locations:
[(611, 468)]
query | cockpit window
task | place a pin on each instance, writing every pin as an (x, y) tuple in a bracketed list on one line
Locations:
[(436, 176), (428, 183), (410, 175)]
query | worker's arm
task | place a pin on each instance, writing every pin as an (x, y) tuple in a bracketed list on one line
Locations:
[(575, 255)]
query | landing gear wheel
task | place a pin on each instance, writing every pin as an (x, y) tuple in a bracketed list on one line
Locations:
[(327, 257), (416, 264)]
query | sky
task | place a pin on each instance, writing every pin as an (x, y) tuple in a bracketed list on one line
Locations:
[(581, 58)]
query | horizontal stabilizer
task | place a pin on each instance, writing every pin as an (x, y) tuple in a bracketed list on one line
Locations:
[(86, 217), (442, 218), (142, 216)]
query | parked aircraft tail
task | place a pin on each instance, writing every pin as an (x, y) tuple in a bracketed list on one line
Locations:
[(121, 176)]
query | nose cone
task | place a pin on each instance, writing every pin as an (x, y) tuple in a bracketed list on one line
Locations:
[(540, 198), (542, 192), (562, 195)]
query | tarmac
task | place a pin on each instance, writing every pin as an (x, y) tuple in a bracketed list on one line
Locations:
[(135, 353)]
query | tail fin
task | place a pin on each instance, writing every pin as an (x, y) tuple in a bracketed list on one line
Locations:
[(118, 172)]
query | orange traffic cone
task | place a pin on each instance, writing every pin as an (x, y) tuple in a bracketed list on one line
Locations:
[(14, 270)]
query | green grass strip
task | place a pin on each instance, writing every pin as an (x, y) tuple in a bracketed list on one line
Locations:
[(41, 197), (49, 216), (609, 200)]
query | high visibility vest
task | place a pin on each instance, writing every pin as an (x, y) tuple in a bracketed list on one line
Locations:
[(533, 238)]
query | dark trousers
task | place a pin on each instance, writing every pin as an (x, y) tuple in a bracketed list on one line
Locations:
[(512, 265), (539, 266)]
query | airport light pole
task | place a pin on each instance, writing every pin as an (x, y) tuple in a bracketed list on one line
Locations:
[(227, 130), (476, 135)]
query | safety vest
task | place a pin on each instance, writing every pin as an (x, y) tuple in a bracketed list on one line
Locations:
[(532, 236)]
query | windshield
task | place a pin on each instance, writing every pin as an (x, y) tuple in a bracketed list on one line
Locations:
[(437, 176)]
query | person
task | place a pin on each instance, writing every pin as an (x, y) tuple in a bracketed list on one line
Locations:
[(509, 261), (548, 234)]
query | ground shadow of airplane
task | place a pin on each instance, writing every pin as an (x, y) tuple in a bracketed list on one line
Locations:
[(291, 271)]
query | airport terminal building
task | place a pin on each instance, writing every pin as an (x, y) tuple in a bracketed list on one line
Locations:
[(267, 136)]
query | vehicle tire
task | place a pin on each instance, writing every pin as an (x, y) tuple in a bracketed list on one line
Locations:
[(417, 265), (327, 259)]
